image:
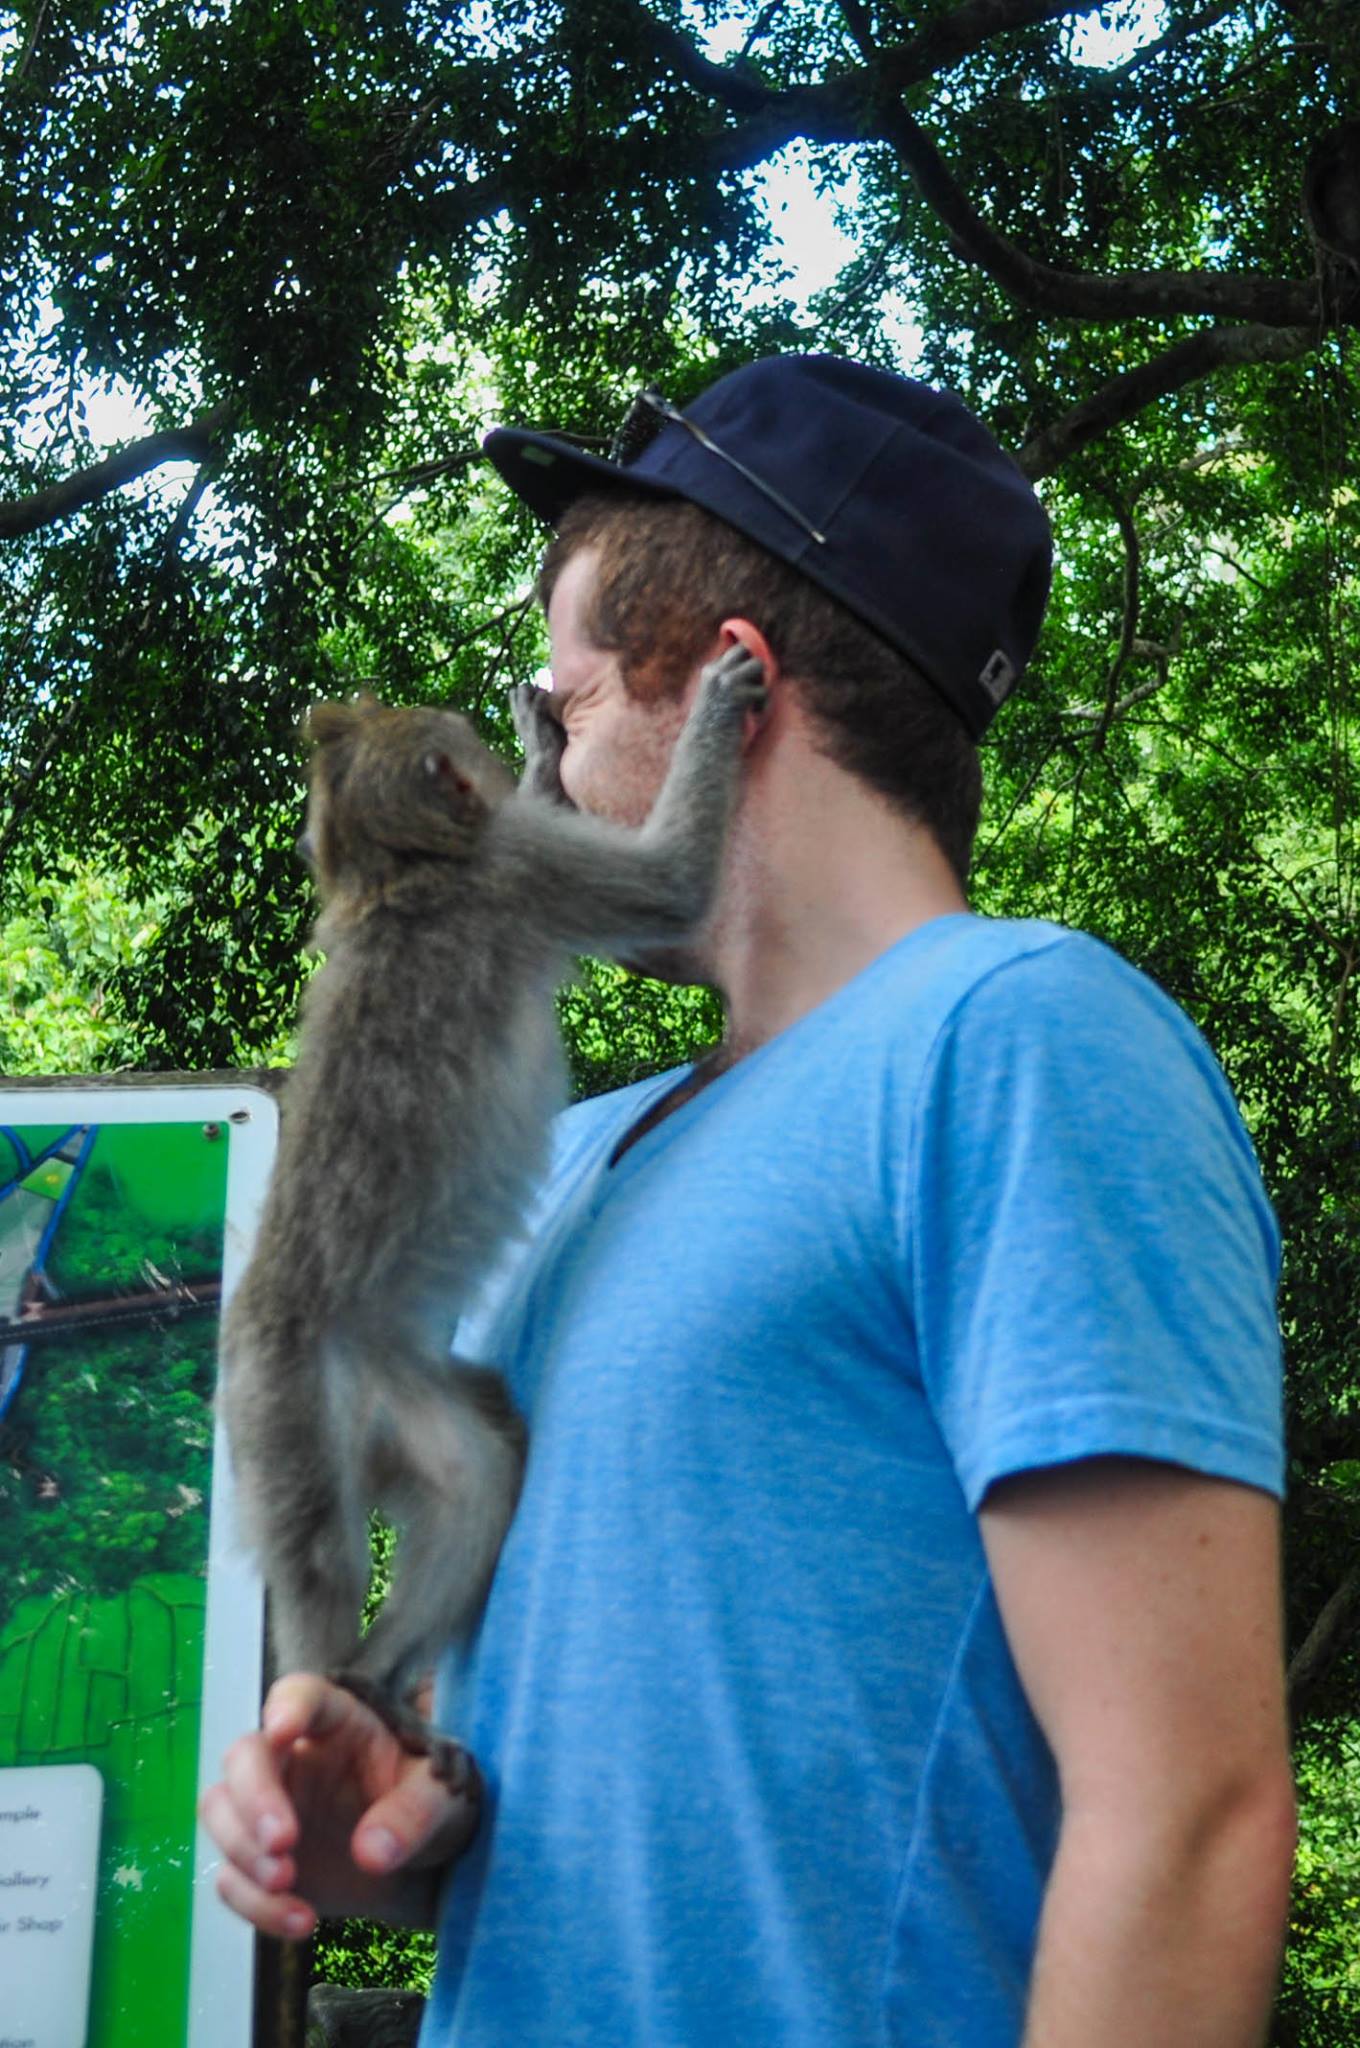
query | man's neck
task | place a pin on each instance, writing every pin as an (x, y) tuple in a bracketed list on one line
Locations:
[(822, 877)]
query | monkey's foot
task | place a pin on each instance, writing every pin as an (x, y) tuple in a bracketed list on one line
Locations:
[(450, 1763)]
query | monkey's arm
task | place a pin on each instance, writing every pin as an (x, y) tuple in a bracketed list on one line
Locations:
[(543, 740), (590, 884)]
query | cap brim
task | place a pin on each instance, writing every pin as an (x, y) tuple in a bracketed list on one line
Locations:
[(549, 474)]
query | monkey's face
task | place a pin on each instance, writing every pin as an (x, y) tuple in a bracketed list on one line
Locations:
[(391, 785), (618, 746)]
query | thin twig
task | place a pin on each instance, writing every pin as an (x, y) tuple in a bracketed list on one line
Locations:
[(1208, 17), (1233, 563), (759, 26), (415, 479), (1129, 622), (488, 625), (982, 858), (30, 49)]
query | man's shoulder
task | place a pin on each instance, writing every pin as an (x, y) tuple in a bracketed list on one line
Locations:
[(1035, 973), (1005, 1017), (979, 946), (1022, 978), (1054, 1030)]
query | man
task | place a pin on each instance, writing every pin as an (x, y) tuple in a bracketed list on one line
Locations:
[(887, 1648)]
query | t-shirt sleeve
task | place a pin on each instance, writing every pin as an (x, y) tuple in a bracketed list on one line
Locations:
[(1093, 1258)]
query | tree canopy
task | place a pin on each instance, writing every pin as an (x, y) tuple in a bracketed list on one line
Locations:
[(321, 247)]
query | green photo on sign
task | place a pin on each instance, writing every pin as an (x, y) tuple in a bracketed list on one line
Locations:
[(130, 1626)]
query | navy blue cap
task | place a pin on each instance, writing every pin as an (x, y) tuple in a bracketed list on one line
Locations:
[(888, 494)]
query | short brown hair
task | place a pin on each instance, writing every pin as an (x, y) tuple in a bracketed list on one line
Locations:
[(669, 572)]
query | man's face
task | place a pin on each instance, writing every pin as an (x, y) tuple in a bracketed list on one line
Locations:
[(617, 747)]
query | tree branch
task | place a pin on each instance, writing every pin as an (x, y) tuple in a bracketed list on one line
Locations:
[(1324, 1642), (1213, 349), (958, 34), (1276, 302), (1208, 17), (414, 478), (1094, 714), (863, 106), (1128, 628), (836, 109), (735, 89), (29, 52), (195, 443), (861, 28), (1237, 567), (184, 518), (760, 27)]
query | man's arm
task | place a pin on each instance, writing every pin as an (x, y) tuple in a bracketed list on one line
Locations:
[(1142, 1606)]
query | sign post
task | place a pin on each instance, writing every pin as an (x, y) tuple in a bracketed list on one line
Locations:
[(131, 1624)]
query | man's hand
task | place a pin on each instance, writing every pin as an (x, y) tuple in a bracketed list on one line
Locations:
[(321, 1813)]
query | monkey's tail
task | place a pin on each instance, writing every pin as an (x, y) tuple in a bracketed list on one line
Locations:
[(448, 1456)]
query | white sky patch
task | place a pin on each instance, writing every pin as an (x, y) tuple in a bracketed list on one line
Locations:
[(803, 221), (810, 231), (113, 415), (1104, 44)]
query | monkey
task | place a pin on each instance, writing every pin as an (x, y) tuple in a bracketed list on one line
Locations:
[(416, 1125)]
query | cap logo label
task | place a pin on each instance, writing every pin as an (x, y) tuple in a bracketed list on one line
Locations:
[(997, 676)]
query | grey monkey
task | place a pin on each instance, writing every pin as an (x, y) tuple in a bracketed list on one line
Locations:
[(416, 1124)]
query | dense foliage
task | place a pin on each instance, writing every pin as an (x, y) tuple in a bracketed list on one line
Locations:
[(322, 247), (103, 1248), (109, 1454)]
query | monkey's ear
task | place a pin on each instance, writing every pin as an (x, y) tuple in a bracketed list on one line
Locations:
[(327, 722)]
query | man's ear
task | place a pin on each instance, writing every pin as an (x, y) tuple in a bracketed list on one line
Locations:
[(739, 632)]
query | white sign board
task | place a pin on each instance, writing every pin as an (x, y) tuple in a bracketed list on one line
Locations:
[(131, 1624), (49, 1868)]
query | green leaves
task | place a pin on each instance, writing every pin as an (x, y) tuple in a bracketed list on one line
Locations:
[(370, 233)]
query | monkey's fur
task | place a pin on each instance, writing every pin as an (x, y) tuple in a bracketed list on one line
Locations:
[(415, 1126)]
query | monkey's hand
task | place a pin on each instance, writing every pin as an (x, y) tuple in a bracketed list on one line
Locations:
[(453, 1765), (543, 740), (730, 687), (322, 1813)]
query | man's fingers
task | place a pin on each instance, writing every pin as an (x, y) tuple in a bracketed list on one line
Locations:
[(304, 1704), (416, 1825), (240, 1844), (281, 1914), (253, 1783)]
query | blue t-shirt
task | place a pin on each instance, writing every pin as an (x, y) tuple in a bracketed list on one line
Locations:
[(760, 1769)]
